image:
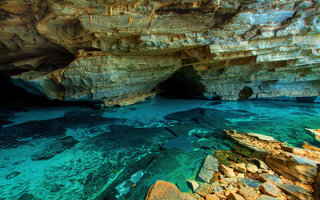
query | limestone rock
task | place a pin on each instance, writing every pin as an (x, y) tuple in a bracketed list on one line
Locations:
[(209, 167), (296, 191), (193, 185), (249, 193), (164, 190), (239, 167), (310, 147), (227, 171), (235, 196), (270, 189), (117, 52), (252, 168)]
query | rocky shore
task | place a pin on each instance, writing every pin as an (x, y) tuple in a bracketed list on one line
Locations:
[(257, 168)]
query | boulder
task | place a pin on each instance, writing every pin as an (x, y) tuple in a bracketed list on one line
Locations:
[(164, 190), (208, 168)]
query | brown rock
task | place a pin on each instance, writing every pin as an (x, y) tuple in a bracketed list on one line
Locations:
[(164, 190), (317, 187), (266, 197), (212, 197), (310, 147), (234, 196), (204, 189), (239, 167), (227, 171), (220, 195), (249, 193), (296, 191), (252, 168), (190, 196), (270, 189)]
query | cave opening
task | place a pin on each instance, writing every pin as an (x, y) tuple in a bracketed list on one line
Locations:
[(185, 83), (245, 93), (13, 96)]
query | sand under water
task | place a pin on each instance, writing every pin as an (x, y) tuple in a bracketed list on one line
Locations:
[(78, 152)]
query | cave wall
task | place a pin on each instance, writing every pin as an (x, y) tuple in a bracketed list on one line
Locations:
[(118, 52)]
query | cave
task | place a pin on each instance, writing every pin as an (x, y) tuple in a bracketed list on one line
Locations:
[(183, 84), (245, 93)]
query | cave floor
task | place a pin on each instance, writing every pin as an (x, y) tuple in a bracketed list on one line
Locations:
[(78, 152)]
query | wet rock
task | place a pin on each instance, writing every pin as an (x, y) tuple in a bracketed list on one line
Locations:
[(235, 196), (209, 167), (227, 171), (193, 185), (164, 190), (295, 191), (239, 167), (315, 132), (12, 175), (27, 196), (252, 168), (178, 143), (310, 147), (55, 148), (7, 142), (270, 189), (248, 193)]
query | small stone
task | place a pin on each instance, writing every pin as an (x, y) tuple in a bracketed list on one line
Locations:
[(241, 175), (270, 189), (234, 196), (269, 177), (204, 189), (215, 185), (266, 197), (212, 197), (231, 180), (239, 167), (189, 196), (227, 171), (252, 168), (193, 185), (248, 193)]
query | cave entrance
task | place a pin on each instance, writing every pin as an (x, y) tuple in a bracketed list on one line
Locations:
[(183, 84)]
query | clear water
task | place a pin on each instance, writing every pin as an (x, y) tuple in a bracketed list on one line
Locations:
[(118, 153)]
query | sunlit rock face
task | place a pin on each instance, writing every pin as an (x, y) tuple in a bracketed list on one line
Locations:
[(117, 52)]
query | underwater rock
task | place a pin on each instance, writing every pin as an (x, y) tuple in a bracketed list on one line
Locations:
[(179, 143), (12, 175), (27, 196), (54, 148), (164, 190), (7, 142)]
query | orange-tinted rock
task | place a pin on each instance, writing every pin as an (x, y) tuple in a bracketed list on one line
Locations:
[(249, 193), (162, 190), (227, 171), (310, 147), (212, 197), (235, 196)]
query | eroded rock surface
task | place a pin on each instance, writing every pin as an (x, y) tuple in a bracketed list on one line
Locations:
[(117, 52)]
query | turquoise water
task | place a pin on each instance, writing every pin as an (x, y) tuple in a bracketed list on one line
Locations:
[(118, 153)]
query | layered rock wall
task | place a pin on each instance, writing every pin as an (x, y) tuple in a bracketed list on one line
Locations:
[(119, 51)]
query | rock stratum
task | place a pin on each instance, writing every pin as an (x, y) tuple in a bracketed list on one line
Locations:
[(119, 52)]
